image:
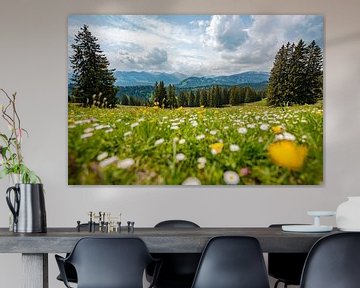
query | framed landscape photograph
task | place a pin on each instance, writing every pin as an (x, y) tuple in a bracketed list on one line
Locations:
[(195, 99)]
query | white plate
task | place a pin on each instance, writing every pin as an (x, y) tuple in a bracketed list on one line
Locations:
[(306, 228), (321, 213), (350, 229)]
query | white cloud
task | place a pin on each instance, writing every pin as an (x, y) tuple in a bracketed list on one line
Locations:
[(226, 32), (197, 45)]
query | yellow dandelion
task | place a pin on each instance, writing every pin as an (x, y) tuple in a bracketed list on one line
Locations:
[(288, 154), (216, 148), (277, 129)]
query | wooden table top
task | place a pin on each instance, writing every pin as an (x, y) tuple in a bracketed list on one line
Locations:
[(158, 240)]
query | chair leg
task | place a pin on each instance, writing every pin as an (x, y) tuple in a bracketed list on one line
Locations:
[(279, 281)]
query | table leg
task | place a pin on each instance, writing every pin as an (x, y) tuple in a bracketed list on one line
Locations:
[(35, 270)]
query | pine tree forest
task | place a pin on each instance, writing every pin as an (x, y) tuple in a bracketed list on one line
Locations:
[(297, 75)]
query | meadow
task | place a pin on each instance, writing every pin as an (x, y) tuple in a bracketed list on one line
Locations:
[(246, 145)]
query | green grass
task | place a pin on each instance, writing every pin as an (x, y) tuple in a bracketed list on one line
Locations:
[(131, 133)]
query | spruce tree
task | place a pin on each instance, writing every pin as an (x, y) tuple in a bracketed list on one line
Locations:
[(296, 77), (92, 79), (182, 99), (314, 70), (162, 95)]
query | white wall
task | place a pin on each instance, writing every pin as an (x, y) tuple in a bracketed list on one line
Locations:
[(33, 57)]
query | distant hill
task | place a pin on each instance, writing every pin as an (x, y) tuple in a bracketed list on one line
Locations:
[(250, 77), (134, 78)]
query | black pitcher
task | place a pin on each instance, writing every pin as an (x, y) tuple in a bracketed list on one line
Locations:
[(28, 208)]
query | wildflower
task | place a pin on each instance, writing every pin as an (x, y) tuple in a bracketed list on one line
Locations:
[(182, 141), (88, 130), (242, 130), (191, 181), (108, 161), (194, 123), (135, 124), (102, 156), (289, 136), (180, 157), (213, 132), (277, 129), (226, 127), (101, 127), (175, 127), (264, 127), (279, 137), (201, 162), (288, 154), (244, 171), (159, 141), (109, 130), (86, 135), (128, 133), (200, 137), (126, 163), (176, 139), (216, 148), (251, 125), (234, 148), (260, 140), (231, 178)]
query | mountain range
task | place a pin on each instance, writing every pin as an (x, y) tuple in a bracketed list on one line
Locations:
[(135, 78)]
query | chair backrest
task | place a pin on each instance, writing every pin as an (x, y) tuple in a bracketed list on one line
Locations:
[(110, 262), (286, 267), (333, 262), (178, 269), (176, 224), (232, 262)]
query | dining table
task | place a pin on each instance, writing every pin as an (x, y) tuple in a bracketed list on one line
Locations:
[(35, 247)]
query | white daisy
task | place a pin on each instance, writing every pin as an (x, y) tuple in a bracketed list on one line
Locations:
[(234, 148), (102, 156), (289, 136), (182, 141), (108, 161), (213, 132), (159, 141), (135, 124), (86, 135), (191, 181), (180, 157), (126, 163), (200, 137), (242, 130), (231, 178), (88, 130), (264, 127)]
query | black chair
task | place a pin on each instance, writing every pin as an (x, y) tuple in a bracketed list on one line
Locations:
[(108, 263), (333, 262), (286, 267), (69, 269), (178, 269), (232, 262)]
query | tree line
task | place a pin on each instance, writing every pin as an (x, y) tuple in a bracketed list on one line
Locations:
[(297, 75), (214, 96)]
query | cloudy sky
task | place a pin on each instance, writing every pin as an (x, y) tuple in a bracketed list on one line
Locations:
[(196, 44)]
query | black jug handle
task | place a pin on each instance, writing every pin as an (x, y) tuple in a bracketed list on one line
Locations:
[(13, 208)]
